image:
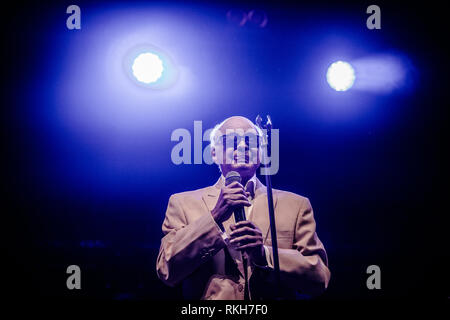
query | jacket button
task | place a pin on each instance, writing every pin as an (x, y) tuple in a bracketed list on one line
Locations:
[(241, 287)]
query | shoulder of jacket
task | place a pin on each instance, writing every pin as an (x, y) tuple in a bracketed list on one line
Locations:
[(287, 195), (191, 193)]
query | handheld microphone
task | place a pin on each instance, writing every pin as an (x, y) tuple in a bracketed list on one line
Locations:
[(239, 215), (239, 212)]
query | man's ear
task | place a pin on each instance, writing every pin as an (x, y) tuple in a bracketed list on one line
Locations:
[(214, 155)]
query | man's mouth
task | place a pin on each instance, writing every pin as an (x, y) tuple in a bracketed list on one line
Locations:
[(241, 159)]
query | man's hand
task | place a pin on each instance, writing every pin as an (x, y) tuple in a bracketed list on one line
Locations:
[(230, 197), (247, 237)]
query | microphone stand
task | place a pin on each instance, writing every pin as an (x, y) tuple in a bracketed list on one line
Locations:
[(273, 230)]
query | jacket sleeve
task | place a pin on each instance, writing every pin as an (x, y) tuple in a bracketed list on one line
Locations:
[(185, 246), (305, 266)]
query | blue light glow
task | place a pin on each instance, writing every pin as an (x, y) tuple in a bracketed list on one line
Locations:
[(384, 73), (340, 76)]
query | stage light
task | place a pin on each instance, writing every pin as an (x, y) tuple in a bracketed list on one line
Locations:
[(148, 67), (340, 76)]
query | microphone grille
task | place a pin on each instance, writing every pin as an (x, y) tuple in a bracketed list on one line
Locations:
[(232, 176)]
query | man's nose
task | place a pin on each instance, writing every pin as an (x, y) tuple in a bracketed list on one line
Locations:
[(242, 146)]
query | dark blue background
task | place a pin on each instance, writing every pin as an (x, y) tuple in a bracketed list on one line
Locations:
[(87, 176)]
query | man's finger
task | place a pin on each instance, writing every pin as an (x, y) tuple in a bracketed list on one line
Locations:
[(249, 246), (244, 239), (244, 230), (235, 203), (237, 196), (244, 223), (234, 191), (234, 185)]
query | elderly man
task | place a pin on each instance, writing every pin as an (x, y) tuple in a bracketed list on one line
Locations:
[(216, 258)]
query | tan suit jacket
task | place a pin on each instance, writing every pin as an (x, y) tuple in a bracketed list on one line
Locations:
[(193, 250)]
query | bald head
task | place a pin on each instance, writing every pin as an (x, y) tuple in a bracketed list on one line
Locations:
[(237, 122)]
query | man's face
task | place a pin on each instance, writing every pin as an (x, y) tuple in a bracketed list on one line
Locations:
[(237, 148)]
